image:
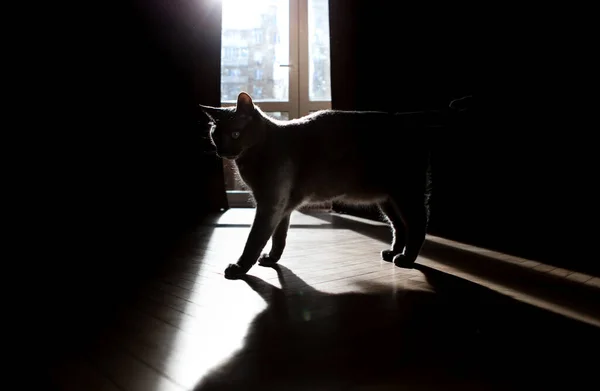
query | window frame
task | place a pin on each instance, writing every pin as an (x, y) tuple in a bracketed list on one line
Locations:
[(298, 103)]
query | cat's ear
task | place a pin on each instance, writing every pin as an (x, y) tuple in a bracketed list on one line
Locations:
[(244, 104), (212, 112)]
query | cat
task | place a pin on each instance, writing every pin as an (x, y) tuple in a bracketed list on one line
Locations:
[(353, 157)]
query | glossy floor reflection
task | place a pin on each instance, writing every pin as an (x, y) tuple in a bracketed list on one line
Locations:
[(332, 316)]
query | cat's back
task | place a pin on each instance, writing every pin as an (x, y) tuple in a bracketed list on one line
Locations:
[(347, 154), (331, 121), (335, 133)]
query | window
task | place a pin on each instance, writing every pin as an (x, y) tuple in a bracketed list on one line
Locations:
[(281, 46), (278, 115), (257, 91), (258, 57), (319, 84), (258, 36), (278, 51)]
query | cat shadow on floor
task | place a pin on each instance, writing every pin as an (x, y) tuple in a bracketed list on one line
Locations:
[(388, 338), (310, 340)]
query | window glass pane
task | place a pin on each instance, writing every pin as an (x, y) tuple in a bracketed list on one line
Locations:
[(255, 43), (319, 82), (283, 115)]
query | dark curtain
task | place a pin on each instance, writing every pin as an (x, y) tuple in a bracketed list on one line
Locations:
[(513, 173), (390, 56), (126, 171)]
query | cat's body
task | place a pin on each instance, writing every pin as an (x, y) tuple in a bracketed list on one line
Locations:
[(349, 157), (332, 155)]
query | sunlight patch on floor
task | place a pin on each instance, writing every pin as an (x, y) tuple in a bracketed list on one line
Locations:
[(522, 262), (235, 216), (528, 281), (208, 340)]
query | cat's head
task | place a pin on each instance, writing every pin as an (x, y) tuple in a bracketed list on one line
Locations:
[(234, 129)]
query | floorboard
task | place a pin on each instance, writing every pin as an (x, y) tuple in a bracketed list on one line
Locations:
[(334, 316)]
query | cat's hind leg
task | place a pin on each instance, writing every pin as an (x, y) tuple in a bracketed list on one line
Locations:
[(393, 216), (415, 215), (278, 243)]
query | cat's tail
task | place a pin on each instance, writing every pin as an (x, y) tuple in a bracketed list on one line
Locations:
[(461, 104), (440, 125)]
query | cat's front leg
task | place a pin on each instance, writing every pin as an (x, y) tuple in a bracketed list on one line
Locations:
[(278, 243), (265, 221)]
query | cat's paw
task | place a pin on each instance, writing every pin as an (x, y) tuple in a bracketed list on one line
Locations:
[(235, 271), (267, 260), (388, 255), (403, 261)]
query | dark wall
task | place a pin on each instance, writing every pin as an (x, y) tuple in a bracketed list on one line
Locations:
[(513, 173), (125, 171), (391, 56)]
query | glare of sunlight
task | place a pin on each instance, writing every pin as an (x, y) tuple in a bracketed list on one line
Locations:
[(243, 14), (217, 316), (244, 217)]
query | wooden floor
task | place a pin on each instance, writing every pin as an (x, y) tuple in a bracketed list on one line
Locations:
[(333, 316)]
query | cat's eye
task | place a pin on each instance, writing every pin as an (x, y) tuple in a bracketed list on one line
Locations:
[(235, 135)]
